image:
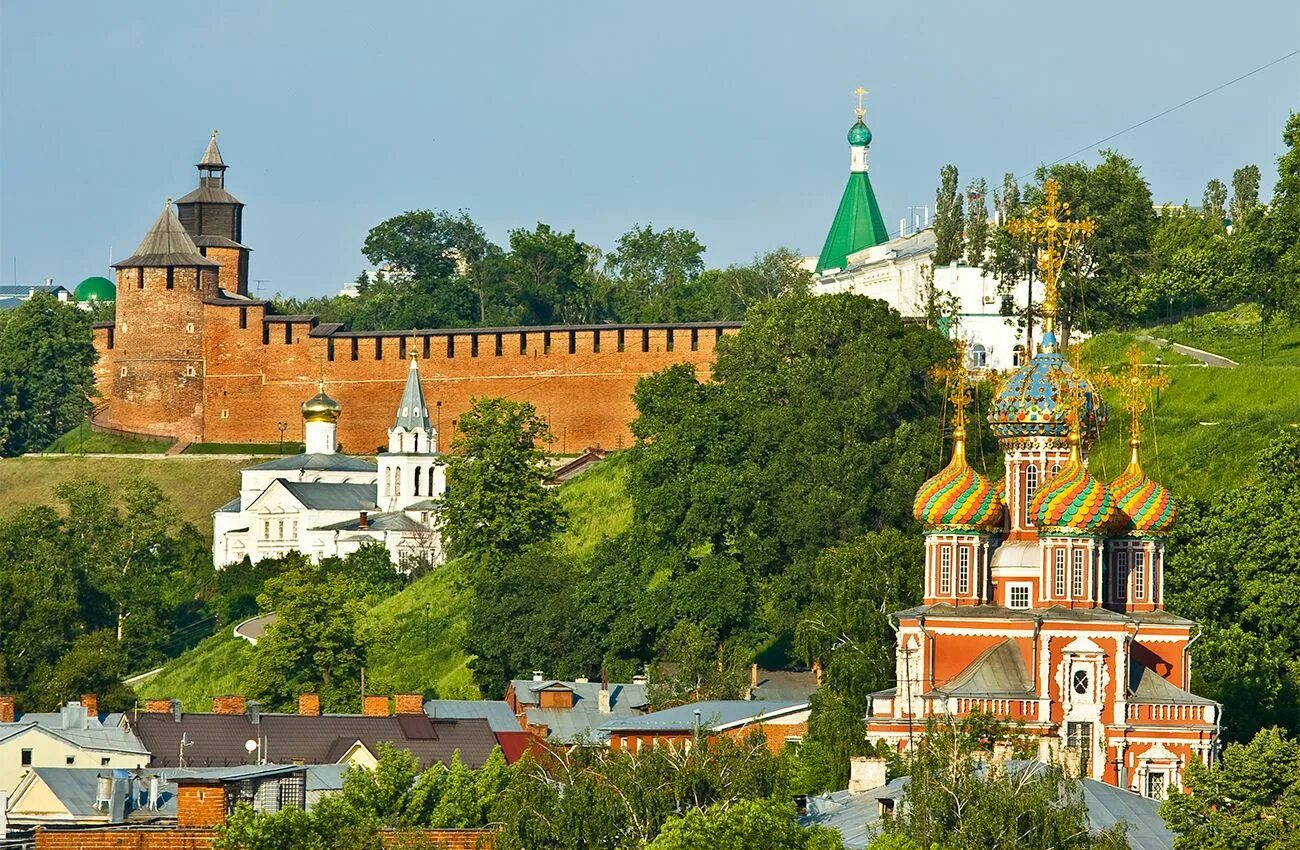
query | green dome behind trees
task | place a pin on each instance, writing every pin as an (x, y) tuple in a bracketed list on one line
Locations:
[(95, 289)]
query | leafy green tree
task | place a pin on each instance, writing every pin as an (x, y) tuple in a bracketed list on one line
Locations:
[(496, 504), (695, 665), (752, 824), (977, 222), (316, 644), (1269, 257), (46, 377), (94, 664), (288, 829), (546, 272), (653, 269), (727, 294), (948, 218), (1249, 800), (1214, 202), (1245, 194)]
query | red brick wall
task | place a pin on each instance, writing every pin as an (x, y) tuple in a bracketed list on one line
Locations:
[(120, 839), (200, 805), (309, 705), (448, 839), (252, 378), (231, 260)]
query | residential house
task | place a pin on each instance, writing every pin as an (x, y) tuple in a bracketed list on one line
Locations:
[(566, 713), (512, 737), (74, 736), (780, 722)]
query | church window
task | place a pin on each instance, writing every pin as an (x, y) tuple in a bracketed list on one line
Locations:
[(1155, 785), (963, 570), (1080, 682), (1056, 467), (1059, 578), (1076, 583), (1019, 596), (1121, 575), (397, 483), (279, 531), (388, 482), (1017, 353), (945, 570), (431, 493), (417, 474), (1031, 487), (979, 356), (1139, 575)]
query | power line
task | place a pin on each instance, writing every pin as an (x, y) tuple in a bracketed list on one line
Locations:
[(1159, 115)]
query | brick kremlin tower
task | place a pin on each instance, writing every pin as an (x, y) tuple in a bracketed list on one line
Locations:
[(214, 218), (1044, 599)]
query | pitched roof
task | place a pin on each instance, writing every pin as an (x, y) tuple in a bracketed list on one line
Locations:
[(95, 735), (387, 521), (208, 195), (212, 156), (624, 698), (412, 412), (317, 462), (166, 244), (713, 714), (858, 224), (496, 712), (217, 740), (325, 496), (210, 241), (998, 671), (1146, 685), (787, 685)]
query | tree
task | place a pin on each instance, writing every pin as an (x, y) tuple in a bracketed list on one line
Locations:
[(315, 645), (652, 269), (695, 665), (1214, 202), (496, 504), (94, 664), (977, 222), (752, 824), (46, 377), (1269, 248), (1249, 799), (948, 218), (546, 274), (1245, 193)]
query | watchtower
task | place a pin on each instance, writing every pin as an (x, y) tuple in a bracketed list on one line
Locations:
[(157, 387), (214, 219)]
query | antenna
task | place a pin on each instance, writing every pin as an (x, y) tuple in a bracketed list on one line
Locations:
[(185, 742)]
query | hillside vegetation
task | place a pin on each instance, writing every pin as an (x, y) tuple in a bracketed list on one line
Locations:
[(415, 649)]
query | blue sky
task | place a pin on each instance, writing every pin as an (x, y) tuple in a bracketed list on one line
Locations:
[(725, 118)]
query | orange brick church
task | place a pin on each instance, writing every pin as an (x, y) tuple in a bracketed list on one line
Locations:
[(192, 356)]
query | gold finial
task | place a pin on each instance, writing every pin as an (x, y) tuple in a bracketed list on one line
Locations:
[(1072, 398), (413, 345), (861, 93), (169, 203), (214, 132), (957, 381), (1134, 386), (1049, 226)]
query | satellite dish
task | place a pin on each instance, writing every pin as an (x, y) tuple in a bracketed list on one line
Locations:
[(250, 745)]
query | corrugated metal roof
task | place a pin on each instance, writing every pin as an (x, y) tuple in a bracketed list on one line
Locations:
[(496, 712), (712, 714), (318, 462), (166, 244), (326, 496), (412, 412), (387, 521), (1108, 805), (998, 671), (1146, 685)]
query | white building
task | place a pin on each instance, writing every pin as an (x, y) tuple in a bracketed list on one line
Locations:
[(897, 272), (323, 503)]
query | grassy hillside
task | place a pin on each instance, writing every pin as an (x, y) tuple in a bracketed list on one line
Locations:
[(415, 649), (1210, 423), (1235, 334), (196, 486)]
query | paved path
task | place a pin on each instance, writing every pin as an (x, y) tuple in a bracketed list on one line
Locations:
[(1208, 358), (253, 628)]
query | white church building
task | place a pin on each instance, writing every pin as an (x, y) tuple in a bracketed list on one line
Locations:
[(323, 503)]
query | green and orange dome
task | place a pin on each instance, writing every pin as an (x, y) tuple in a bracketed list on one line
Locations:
[(1145, 507), (1073, 501), (958, 498)]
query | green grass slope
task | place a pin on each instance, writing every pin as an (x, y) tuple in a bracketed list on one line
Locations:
[(82, 439), (416, 648)]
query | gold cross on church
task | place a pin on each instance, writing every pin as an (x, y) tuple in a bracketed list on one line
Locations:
[(861, 93), (1134, 386), (956, 378), (1049, 226)]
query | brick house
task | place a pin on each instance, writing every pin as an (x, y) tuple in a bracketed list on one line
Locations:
[(781, 723)]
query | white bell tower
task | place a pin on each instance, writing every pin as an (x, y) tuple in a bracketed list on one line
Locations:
[(411, 470)]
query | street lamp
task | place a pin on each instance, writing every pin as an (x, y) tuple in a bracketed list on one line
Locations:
[(282, 426), (1159, 360)]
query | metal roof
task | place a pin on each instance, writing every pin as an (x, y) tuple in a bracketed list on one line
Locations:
[(496, 712), (326, 496), (1146, 685), (317, 462), (998, 671), (624, 698), (94, 735), (713, 714), (231, 507), (412, 412), (212, 156), (166, 244), (387, 521)]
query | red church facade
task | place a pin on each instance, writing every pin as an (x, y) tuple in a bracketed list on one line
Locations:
[(1044, 600)]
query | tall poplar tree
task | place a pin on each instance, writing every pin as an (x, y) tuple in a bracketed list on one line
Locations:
[(948, 218), (1245, 193), (977, 222), (1214, 200)]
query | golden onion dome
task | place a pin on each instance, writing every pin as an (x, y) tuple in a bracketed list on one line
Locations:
[(321, 408), (958, 498)]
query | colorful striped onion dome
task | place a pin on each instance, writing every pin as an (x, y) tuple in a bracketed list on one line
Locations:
[(1072, 501), (958, 498), (1029, 402), (1146, 508)]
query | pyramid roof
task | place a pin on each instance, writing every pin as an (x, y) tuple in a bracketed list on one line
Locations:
[(858, 224), (412, 412), (166, 244)]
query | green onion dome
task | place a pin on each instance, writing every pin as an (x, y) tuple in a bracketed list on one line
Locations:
[(1072, 501), (1031, 401), (95, 289), (958, 498), (859, 134), (1146, 508), (321, 408)]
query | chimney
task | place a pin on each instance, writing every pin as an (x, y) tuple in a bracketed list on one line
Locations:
[(374, 706), (73, 716), (537, 675), (157, 706), (309, 705), (602, 700), (6, 709), (408, 703), (229, 704), (865, 774), (91, 702), (364, 520), (753, 675)]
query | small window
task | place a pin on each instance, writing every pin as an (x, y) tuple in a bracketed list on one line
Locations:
[(1076, 583), (1080, 682), (191, 372), (103, 762), (1058, 580), (69, 760), (1018, 596), (945, 570), (266, 530), (171, 277), (979, 356), (1121, 575), (1155, 785), (963, 570), (26, 758), (279, 533), (225, 413), (295, 529), (1139, 575), (1031, 482), (189, 327), (123, 372)]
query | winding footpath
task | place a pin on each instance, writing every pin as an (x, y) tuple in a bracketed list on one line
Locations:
[(1208, 358)]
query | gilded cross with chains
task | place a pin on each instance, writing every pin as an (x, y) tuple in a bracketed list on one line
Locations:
[(1071, 382), (1049, 226), (1135, 386), (956, 381), (414, 343), (861, 93)]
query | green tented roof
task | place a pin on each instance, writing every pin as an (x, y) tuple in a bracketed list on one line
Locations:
[(858, 224)]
